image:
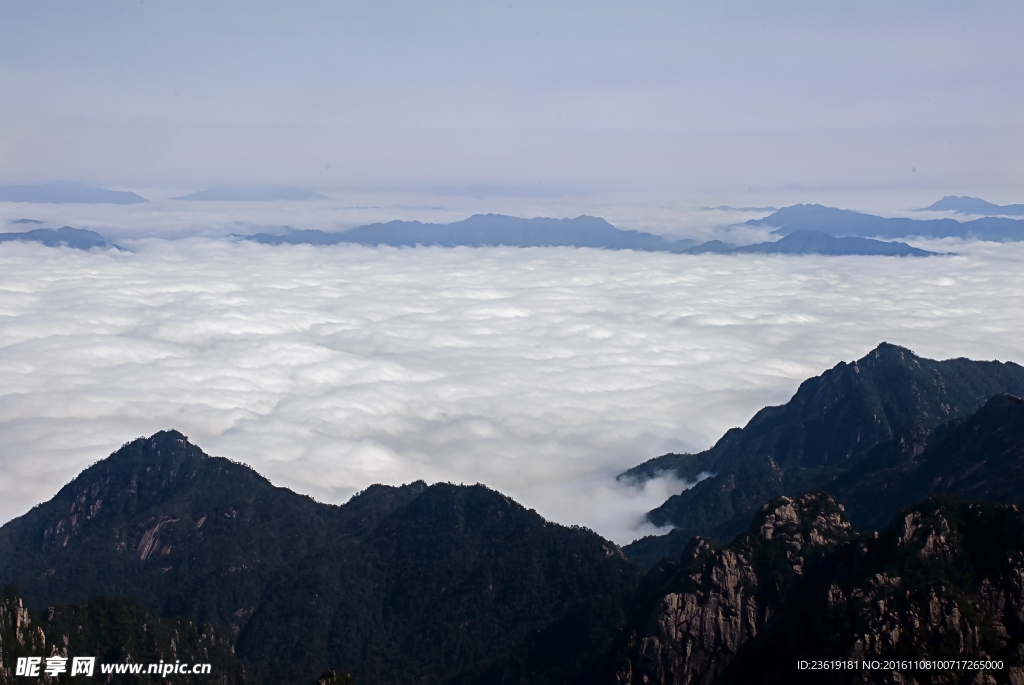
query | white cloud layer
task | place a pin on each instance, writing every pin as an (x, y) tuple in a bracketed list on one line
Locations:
[(540, 372)]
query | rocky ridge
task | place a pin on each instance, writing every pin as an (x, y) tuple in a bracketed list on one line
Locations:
[(19, 634), (713, 602)]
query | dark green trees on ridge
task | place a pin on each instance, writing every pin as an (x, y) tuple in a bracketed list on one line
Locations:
[(836, 425), (408, 584)]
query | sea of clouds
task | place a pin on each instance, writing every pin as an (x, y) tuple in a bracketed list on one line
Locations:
[(539, 372)]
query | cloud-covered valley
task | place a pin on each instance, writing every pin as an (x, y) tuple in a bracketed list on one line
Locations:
[(539, 372)]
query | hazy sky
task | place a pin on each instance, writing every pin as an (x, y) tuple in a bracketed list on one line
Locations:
[(638, 95)]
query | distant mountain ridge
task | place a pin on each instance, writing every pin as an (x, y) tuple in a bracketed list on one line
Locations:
[(975, 205), (496, 230), (819, 439), (61, 192), (491, 230), (849, 223), (488, 230)]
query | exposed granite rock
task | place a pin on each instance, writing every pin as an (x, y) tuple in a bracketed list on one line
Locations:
[(720, 600), (945, 581), (19, 636), (117, 631)]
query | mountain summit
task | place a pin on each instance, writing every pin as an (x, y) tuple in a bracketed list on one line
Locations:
[(824, 432), (975, 205)]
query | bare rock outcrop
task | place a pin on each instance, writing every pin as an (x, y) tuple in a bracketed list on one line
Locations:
[(944, 583), (722, 599), (19, 635), (117, 631)]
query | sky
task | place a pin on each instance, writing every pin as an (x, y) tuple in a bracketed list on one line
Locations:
[(541, 372), (524, 97)]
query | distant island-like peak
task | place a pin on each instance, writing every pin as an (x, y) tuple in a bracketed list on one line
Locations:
[(65, 236), (848, 223), (974, 205)]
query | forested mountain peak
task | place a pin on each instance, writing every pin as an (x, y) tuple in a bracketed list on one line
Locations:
[(400, 584), (827, 427)]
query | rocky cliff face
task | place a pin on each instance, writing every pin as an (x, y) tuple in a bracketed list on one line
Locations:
[(19, 636), (115, 632), (716, 601), (944, 582)]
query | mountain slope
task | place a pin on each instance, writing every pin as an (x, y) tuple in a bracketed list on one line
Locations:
[(828, 426), (455, 579), (980, 457), (845, 222), (409, 584)]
